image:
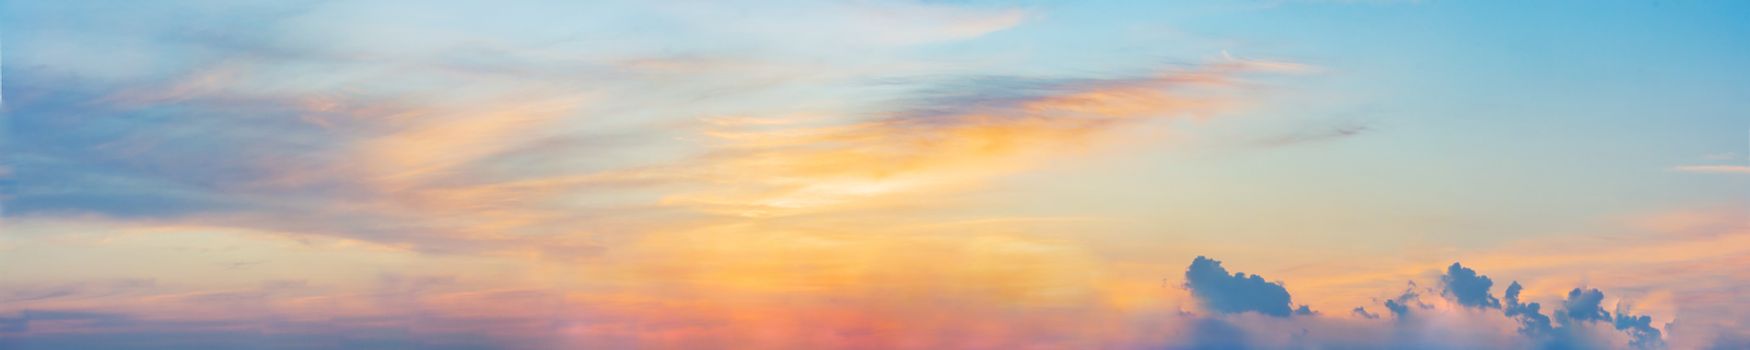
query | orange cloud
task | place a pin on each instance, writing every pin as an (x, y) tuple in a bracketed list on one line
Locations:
[(420, 179), (771, 168)]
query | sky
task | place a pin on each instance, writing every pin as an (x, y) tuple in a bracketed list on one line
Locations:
[(874, 175)]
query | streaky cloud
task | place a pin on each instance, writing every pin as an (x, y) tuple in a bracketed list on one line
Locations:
[(1713, 169), (1328, 133)]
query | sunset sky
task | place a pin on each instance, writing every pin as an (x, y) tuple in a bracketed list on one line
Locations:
[(215, 174)]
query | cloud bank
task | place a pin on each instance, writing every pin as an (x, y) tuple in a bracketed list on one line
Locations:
[(1467, 316), (1245, 311)]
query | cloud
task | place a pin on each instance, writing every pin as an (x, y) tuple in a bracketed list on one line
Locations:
[(1218, 291), (62, 318), (900, 23), (1583, 305), (1713, 169), (1582, 308), (1321, 134), (440, 138), (443, 310), (1530, 316), (1583, 321), (505, 141), (18, 292), (938, 145), (1403, 306), (1398, 308), (1639, 327), (320, 119), (1469, 288)]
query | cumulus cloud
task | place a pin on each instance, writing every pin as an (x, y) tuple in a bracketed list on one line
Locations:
[(1583, 305), (1402, 306), (1467, 287), (1639, 327), (1466, 312), (1582, 323), (1531, 319), (1221, 292), (448, 306)]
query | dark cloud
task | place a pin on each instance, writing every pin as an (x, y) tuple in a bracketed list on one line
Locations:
[(1639, 328), (956, 95), (1583, 305), (202, 156), (1531, 319), (1467, 287), (1362, 312), (1403, 305), (1581, 309), (1319, 134), (946, 99), (1220, 292)]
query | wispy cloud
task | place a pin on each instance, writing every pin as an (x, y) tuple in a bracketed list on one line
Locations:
[(477, 141), (945, 143), (1310, 135), (1713, 169), (710, 175)]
